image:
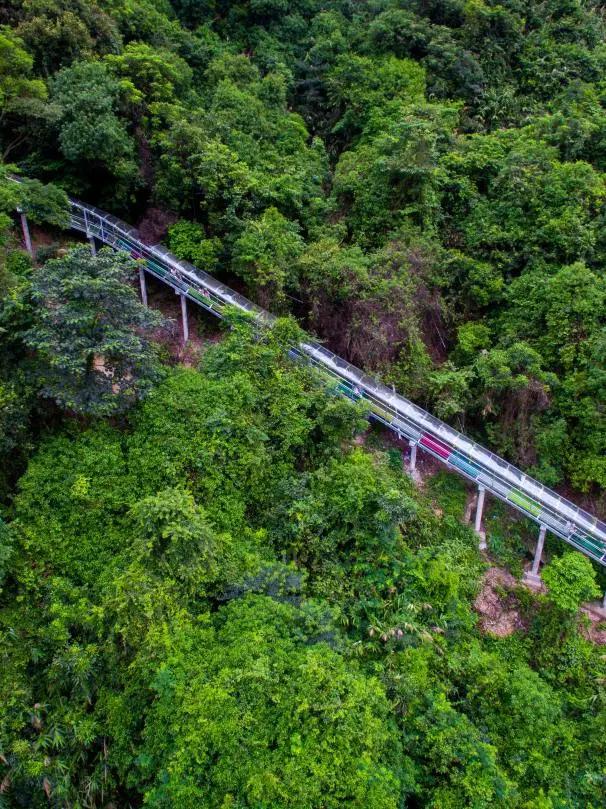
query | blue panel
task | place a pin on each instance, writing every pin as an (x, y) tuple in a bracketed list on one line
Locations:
[(461, 463), (155, 267), (343, 387)]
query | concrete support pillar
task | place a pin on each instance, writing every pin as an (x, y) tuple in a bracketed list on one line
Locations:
[(184, 319), (26, 236), (604, 602), (143, 286), (478, 520), (93, 246), (480, 508), (413, 456), (532, 576), (538, 552)]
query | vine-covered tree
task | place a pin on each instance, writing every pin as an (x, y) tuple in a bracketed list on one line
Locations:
[(92, 332)]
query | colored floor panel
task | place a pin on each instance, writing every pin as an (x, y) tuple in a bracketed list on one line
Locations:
[(587, 544), (524, 502), (460, 462), (435, 446)]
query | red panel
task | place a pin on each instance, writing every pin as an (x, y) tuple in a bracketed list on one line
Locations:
[(435, 446)]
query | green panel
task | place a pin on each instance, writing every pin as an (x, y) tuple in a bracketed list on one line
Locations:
[(200, 297), (588, 544), (524, 502), (156, 267), (380, 412)]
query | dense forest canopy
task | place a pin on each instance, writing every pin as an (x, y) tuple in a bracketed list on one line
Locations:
[(211, 594), (223, 602), (426, 177)]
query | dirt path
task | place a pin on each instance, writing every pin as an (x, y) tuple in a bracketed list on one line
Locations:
[(499, 612), (497, 604)]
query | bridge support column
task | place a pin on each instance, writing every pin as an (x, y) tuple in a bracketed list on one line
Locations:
[(412, 466), (93, 245), (184, 319), (533, 577), (143, 286), (604, 602), (26, 235), (478, 522)]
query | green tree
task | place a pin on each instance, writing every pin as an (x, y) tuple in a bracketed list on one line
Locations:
[(194, 12), (22, 97), (266, 253), (570, 579), (315, 732), (512, 389), (252, 416), (388, 183), (42, 203), (362, 86), (92, 332), (449, 389), (188, 240), (346, 506), (178, 557), (150, 75), (491, 187), (58, 32), (14, 413), (240, 153), (18, 387), (559, 313), (5, 551), (372, 305), (89, 130)]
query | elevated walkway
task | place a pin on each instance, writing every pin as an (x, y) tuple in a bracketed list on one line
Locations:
[(490, 473)]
